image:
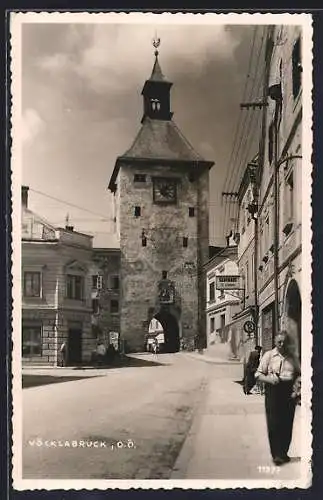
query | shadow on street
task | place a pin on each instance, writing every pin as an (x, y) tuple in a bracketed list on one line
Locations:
[(126, 362), (36, 380)]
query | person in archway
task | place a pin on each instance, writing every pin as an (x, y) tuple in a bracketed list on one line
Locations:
[(155, 347), (250, 370), (278, 369), (101, 352)]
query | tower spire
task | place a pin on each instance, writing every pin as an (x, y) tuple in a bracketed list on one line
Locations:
[(156, 90), (156, 74), (156, 43)]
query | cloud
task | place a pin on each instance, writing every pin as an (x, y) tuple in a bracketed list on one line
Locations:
[(112, 55), (81, 90), (54, 63), (32, 125)]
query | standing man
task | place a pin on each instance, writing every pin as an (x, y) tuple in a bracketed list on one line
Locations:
[(251, 368), (278, 370), (63, 351)]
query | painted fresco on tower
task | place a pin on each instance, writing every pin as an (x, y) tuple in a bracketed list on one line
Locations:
[(166, 290)]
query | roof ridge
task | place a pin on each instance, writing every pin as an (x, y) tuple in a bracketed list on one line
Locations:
[(164, 124), (180, 133), (135, 139)]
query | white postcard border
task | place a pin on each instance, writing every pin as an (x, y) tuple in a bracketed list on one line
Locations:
[(305, 20)]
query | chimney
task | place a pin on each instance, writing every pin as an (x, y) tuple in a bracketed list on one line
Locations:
[(24, 196), (68, 227)]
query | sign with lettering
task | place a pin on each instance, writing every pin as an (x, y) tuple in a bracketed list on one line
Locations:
[(229, 282)]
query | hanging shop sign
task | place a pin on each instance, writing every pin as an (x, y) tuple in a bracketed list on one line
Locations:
[(229, 282)]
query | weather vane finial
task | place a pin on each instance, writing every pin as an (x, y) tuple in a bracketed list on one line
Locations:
[(156, 43)]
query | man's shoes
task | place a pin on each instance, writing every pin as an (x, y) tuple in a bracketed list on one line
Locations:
[(279, 461), (286, 458)]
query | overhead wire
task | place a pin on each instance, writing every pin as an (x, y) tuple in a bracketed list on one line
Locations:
[(250, 123), (258, 118), (243, 98), (239, 123), (59, 200)]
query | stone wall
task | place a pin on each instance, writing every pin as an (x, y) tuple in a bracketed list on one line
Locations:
[(46, 319), (164, 227), (106, 262)]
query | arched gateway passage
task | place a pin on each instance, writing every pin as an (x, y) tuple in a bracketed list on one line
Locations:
[(171, 331), (294, 315)]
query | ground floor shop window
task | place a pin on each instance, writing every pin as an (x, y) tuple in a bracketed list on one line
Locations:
[(31, 341)]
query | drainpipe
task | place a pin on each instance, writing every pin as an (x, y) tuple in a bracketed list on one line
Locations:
[(276, 95)]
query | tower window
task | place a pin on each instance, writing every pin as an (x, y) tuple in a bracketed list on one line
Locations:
[(114, 306), (137, 211), (155, 104), (185, 242), (144, 241), (95, 306), (139, 178), (191, 211)]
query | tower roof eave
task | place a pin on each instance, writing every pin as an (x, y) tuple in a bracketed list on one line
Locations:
[(158, 161), (161, 142)]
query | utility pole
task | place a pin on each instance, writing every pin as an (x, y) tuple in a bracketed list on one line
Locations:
[(254, 207), (253, 210), (261, 161)]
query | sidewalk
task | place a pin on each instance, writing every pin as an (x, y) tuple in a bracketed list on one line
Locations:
[(228, 439), (217, 354)]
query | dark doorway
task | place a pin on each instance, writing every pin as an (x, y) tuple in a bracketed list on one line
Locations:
[(171, 331), (74, 356), (294, 315)]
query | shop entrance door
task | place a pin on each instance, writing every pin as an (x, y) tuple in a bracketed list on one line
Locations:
[(74, 356)]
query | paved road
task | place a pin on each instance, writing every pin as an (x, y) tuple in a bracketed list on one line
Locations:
[(185, 418), (152, 406)]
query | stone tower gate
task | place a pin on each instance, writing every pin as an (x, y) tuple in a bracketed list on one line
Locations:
[(161, 187)]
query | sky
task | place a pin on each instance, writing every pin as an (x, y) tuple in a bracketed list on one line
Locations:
[(82, 106)]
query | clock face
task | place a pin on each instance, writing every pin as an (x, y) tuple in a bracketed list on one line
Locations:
[(165, 190)]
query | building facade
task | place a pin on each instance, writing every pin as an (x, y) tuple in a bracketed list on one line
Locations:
[(105, 272), (280, 195), (243, 327), (161, 188), (221, 305), (56, 291)]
